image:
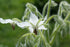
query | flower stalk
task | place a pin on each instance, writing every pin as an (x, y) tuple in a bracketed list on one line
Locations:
[(49, 6)]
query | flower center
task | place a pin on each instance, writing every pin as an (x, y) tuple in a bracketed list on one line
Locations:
[(35, 31)]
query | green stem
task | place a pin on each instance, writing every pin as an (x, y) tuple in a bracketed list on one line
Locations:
[(39, 15), (16, 19), (54, 35), (26, 15), (43, 38), (47, 35), (24, 36), (59, 11), (67, 21), (48, 12), (67, 16), (44, 9), (49, 19)]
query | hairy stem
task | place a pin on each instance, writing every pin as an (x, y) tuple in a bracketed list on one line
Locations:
[(48, 12), (44, 9), (54, 35)]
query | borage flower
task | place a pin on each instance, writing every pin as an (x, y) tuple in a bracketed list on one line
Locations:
[(34, 24)]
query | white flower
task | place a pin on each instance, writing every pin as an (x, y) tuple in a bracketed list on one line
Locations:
[(5, 21), (32, 23)]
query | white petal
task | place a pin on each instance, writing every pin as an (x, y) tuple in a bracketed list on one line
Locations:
[(31, 29), (23, 24), (9, 21), (40, 23), (5, 21), (45, 18), (33, 19), (1, 19), (42, 27)]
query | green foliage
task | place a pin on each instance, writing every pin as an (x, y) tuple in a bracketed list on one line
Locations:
[(56, 35), (11, 9)]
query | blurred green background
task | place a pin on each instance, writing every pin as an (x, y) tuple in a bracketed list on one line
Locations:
[(15, 9)]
